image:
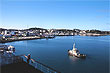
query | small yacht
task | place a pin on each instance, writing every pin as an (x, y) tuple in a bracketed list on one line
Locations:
[(75, 52)]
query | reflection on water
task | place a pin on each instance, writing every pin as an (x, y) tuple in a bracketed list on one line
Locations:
[(73, 59)]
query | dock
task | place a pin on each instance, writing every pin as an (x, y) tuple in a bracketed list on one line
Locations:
[(23, 38), (11, 63), (20, 67), (19, 39)]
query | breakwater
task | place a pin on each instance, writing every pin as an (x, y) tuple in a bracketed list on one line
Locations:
[(41, 37), (20, 39)]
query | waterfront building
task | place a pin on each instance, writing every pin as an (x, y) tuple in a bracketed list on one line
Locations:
[(6, 32), (7, 36), (14, 33), (82, 32)]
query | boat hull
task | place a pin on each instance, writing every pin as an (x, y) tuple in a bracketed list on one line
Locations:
[(78, 56)]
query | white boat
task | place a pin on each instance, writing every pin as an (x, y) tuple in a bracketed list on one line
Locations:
[(75, 52), (11, 49), (7, 48)]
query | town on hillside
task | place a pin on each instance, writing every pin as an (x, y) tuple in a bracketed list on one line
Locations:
[(33, 33)]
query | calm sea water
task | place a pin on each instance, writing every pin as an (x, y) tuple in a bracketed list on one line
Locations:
[(54, 53)]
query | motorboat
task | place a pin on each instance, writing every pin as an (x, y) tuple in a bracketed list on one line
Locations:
[(75, 52)]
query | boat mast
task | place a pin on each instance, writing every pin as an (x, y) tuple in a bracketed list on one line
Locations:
[(73, 46)]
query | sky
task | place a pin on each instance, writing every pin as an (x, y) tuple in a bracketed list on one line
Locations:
[(55, 14)]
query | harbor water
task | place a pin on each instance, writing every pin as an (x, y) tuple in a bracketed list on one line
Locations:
[(54, 53)]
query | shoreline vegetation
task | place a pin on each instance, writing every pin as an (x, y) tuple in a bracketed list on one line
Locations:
[(10, 35)]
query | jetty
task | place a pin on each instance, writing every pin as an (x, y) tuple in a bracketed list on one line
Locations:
[(24, 38), (19, 39)]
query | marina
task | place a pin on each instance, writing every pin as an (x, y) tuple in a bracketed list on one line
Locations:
[(53, 53), (54, 36)]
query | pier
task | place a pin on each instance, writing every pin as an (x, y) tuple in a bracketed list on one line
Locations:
[(19, 39), (11, 63), (23, 38), (15, 64), (20, 67)]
